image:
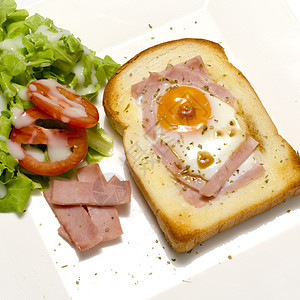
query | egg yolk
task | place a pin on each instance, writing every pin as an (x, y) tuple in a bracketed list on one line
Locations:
[(183, 109), (204, 159)]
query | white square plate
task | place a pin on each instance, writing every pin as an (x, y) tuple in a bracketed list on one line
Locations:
[(258, 259)]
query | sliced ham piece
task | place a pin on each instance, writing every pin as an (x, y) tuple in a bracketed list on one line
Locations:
[(63, 233), (193, 182), (230, 166), (91, 189), (90, 173), (73, 193), (107, 221), (106, 218), (111, 194), (256, 171), (138, 89), (197, 200), (186, 77), (145, 93), (122, 190), (93, 174), (77, 223), (196, 65), (193, 197)]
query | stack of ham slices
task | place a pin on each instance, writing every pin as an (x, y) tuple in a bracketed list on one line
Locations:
[(86, 208)]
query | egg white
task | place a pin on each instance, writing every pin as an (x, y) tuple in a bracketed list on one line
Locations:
[(222, 135)]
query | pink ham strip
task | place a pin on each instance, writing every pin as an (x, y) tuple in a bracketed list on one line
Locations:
[(196, 65), (191, 72), (73, 193), (93, 174), (107, 221), (110, 195), (193, 182), (256, 171), (95, 192), (174, 164), (63, 233), (197, 200), (193, 197), (185, 77), (90, 173), (211, 187), (230, 166), (139, 88), (146, 91), (76, 222), (121, 188), (113, 192), (106, 218)]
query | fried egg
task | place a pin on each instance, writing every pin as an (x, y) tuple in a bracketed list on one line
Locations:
[(200, 128)]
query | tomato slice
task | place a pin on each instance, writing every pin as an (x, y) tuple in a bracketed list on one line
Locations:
[(72, 141), (63, 103)]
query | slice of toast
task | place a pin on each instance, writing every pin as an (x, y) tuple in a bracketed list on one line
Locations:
[(184, 224)]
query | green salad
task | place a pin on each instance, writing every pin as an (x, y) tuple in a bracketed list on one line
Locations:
[(32, 48)]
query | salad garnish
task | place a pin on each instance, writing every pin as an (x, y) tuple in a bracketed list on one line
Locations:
[(32, 50)]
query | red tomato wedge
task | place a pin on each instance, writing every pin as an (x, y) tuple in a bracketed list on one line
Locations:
[(63, 103), (72, 141)]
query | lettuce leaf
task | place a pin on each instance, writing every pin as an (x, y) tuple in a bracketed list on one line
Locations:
[(108, 64), (100, 144), (93, 156), (13, 62), (99, 140), (8, 164), (18, 191), (7, 7)]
